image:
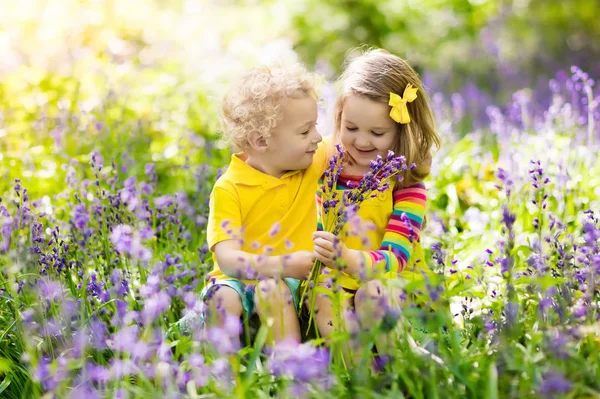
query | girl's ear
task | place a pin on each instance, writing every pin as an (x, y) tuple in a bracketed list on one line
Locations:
[(257, 141)]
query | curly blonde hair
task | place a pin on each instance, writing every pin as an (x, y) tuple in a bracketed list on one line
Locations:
[(253, 104), (376, 73)]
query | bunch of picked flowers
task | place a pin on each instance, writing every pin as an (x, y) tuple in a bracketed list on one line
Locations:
[(337, 211)]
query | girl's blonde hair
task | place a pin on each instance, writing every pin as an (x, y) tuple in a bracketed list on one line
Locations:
[(253, 104), (375, 74)]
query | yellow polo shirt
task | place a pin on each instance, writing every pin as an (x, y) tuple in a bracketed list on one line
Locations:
[(246, 204)]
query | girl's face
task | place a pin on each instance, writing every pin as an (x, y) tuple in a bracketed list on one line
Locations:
[(366, 130)]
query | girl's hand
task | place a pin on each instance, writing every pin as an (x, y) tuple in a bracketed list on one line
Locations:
[(328, 248)]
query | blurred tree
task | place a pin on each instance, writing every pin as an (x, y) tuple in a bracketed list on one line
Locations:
[(498, 45)]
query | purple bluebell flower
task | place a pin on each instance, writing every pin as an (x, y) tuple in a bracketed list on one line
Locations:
[(554, 384), (303, 362), (164, 201), (125, 338), (99, 333), (49, 290), (154, 306), (121, 237)]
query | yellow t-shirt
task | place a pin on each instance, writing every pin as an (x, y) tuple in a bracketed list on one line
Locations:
[(246, 204)]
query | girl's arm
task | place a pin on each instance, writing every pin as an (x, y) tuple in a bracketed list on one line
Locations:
[(404, 228)]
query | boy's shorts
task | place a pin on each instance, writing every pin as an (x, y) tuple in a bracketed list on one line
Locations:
[(193, 321), (247, 293)]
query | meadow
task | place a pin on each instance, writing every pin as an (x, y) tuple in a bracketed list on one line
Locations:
[(109, 147)]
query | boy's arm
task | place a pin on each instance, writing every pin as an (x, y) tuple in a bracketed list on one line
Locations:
[(243, 265), (224, 236)]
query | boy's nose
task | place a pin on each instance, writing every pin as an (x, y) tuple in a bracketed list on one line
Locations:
[(317, 138)]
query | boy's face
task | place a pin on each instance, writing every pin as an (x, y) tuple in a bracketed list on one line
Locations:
[(294, 141)]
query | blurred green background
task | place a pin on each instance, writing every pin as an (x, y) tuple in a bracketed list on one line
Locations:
[(140, 79)]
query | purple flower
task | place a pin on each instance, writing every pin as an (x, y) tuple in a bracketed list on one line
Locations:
[(508, 218), (303, 362), (163, 353), (95, 288), (128, 241), (232, 325), (591, 234), (154, 306), (151, 287), (121, 237), (140, 351), (121, 308), (121, 394), (150, 171), (553, 384), (97, 373), (121, 368), (164, 201), (42, 373), (97, 159), (84, 391), (125, 338), (580, 311), (49, 290), (222, 341), (505, 265), (130, 199), (274, 230), (99, 334)]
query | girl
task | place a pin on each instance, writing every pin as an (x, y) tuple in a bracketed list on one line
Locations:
[(381, 107)]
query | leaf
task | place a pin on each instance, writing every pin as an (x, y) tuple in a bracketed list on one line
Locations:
[(259, 343), (5, 365), (524, 249), (5, 383), (544, 282), (491, 389)]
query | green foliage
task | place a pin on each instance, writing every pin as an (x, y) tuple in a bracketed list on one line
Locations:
[(499, 45), (132, 112)]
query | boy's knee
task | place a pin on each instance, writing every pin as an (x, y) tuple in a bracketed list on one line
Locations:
[(224, 300), (274, 290)]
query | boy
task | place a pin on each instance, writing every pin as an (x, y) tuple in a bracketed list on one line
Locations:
[(262, 209)]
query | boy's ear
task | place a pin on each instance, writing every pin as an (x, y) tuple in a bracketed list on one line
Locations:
[(257, 141)]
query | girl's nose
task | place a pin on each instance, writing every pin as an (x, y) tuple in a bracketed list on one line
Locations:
[(362, 143)]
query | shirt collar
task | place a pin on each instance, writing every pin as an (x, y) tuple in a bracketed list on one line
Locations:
[(241, 173)]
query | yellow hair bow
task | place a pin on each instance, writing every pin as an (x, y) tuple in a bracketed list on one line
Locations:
[(399, 111)]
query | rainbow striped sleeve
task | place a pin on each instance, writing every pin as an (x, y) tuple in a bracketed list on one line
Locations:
[(402, 230)]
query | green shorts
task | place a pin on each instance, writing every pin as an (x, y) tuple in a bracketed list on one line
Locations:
[(194, 321), (247, 292)]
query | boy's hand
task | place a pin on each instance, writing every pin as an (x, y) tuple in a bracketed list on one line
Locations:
[(298, 264), (328, 248)]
